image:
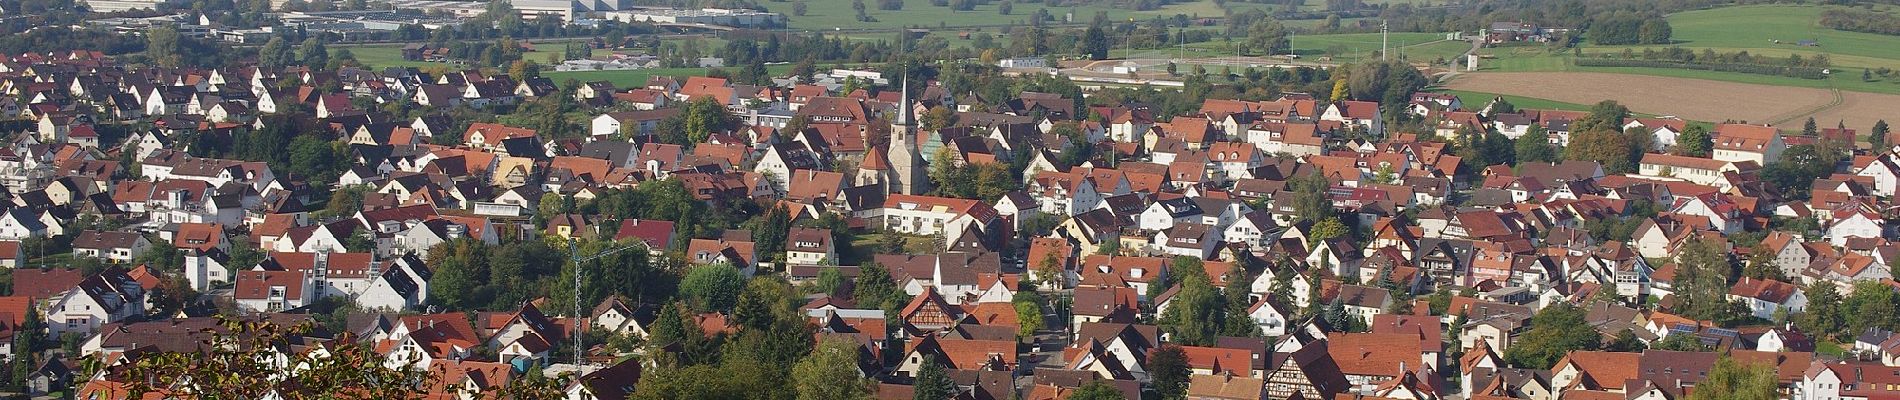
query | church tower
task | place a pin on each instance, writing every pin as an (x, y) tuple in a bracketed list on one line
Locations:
[(905, 162)]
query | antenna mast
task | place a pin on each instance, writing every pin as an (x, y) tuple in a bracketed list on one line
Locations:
[(1384, 38)]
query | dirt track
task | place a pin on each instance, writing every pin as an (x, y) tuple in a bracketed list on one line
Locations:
[(1694, 99)]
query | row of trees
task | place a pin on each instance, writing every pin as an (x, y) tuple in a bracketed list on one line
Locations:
[(1619, 29), (1848, 19)]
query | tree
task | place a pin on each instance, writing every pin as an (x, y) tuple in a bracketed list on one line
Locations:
[(939, 117), (701, 119), (1267, 35), (1534, 147), (1095, 42), (670, 325), (1626, 342), (1608, 147), (1605, 115), (1731, 380), (1878, 137), (1655, 31), (713, 287), (1309, 197), (1872, 305), (1028, 318), (1169, 370), (829, 279), (874, 287), (241, 361), (1097, 390), (830, 372), (1328, 228), (1553, 334), (1005, 7), (1702, 276), (313, 54), (798, 8), (933, 383), (1695, 141), (276, 54), (1822, 318), (165, 46)]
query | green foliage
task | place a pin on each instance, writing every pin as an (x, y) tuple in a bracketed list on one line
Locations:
[(1872, 305), (1094, 43), (1731, 380), (933, 383), (1328, 228), (1681, 342), (1389, 82), (1309, 197), (1534, 146), (713, 287), (242, 366), (1096, 390), (829, 279), (1168, 367), (830, 372), (1694, 141), (1626, 342), (1801, 164), (1702, 276), (875, 288), (1028, 318), (1823, 319), (1553, 334)]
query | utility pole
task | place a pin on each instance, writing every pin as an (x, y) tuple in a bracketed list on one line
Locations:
[(1384, 38)]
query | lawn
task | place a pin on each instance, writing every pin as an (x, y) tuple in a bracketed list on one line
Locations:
[(1476, 101), (638, 77)]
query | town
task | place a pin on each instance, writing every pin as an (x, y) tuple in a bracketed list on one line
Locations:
[(229, 211)]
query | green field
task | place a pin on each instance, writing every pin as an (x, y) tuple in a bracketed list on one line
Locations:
[(380, 56), (1341, 47), (1719, 29), (1756, 28), (638, 77), (1476, 101)]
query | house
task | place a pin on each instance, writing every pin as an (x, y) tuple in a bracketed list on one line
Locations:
[(116, 246), (1700, 171), (1362, 115), (809, 246), (1225, 387), (931, 215), (1767, 297), (103, 298), (1744, 142)]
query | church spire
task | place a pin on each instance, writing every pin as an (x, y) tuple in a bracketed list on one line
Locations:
[(903, 102)]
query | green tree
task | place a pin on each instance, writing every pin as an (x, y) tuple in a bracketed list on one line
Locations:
[(1655, 31), (1309, 197), (1096, 390), (1553, 334), (1872, 305), (1328, 228), (1608, 147), (933, 383), (240, 365), (830, 372), (1095, 42), (1534, 147), (313, 54), (1694, 142), (1268, 36), (1169, 370), (1028, 318), (165, 46), (1822, 318), (829, 279), (1605, 115), (1878, 137), (713, 287), (276, 54), (1808, 128), (1731, 380), (1702, 276), (1626, 342), (702, 118), (875, 288)]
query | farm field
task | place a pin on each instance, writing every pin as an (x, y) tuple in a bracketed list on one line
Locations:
[(1339, 48), (1851, 52), (638, 77), (1694, 99)]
